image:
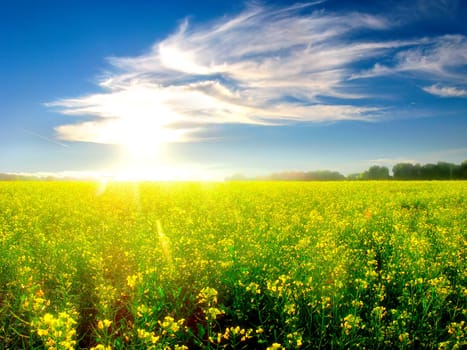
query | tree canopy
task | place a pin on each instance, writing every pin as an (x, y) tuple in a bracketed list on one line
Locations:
[(438, 171)]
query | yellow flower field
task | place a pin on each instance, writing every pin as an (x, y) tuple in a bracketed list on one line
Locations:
[(254, 265)]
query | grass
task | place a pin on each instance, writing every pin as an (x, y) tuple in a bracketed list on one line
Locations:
[(376, 265)]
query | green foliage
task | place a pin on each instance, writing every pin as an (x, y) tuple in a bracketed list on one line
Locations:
[(438, 171), (376, 265), (376, 172)]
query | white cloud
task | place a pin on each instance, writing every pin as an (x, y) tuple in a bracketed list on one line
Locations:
[(264, 66), (440, 58), (445, 91)]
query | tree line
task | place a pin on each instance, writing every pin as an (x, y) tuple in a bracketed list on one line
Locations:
[(400, 171), (409, 171)]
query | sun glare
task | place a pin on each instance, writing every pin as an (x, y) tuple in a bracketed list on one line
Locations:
[(142, 140), (141, 158), (143, 136)]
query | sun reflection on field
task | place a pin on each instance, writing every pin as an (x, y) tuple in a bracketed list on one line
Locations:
[(101, 186)]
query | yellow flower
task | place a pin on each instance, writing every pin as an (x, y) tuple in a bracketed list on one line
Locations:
[(42, 332), (104, 324), (101, 347), (212, 313), (180, 347), (143, 334), (208, 296), (48, 319), (154, 338), (350, 321), (134, 279)]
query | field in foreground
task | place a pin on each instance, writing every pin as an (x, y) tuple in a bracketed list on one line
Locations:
[(233, 265)]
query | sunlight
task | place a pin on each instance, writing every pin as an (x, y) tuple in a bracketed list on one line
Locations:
[(141, 153), (102, 186), (138, 171), (141, 138), (142, 135), (145, 173)]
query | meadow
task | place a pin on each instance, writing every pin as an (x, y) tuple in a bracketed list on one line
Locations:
[(254, 265)]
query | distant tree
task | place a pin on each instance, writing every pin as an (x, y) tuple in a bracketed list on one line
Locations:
[(429, 171), (403, 171), (376, 172), (444, 170), (324, 175), (354, 176), (462, 170), (288, 176), (320, 175)]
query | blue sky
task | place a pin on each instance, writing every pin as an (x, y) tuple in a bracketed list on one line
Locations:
[(205, 89)]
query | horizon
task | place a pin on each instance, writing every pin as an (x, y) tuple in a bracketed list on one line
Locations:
[(205, 90), (429, 171)]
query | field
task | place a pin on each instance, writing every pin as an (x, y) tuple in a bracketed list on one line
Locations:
[(375, 265)]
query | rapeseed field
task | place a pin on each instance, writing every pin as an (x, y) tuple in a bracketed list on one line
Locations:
[(254, 265)]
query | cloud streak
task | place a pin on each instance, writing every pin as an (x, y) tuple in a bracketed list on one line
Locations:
[(264, 66), (439, 58), (445, 91)]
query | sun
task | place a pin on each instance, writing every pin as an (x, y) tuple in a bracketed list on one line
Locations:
[(140, 158), (142, 140), (141, 146)]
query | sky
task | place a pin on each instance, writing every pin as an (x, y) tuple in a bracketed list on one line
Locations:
[(193, 90)]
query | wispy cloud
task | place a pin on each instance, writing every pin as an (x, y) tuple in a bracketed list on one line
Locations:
[(265, 66), (445, 91), (439, 58)]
